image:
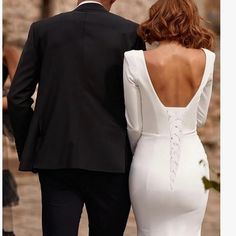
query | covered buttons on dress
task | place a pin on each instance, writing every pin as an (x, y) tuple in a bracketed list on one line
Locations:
[(175, 118)]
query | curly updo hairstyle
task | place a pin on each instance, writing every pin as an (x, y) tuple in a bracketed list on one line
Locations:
[(177, 20)]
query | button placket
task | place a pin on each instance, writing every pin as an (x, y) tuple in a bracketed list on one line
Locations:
[(175, 119)]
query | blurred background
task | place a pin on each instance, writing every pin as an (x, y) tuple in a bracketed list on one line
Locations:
[(25, 217)]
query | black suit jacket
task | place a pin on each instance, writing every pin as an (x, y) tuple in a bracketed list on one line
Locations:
[(79, 117)]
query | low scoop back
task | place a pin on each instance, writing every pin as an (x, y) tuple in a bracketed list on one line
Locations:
[(144, 109), (175, 76)]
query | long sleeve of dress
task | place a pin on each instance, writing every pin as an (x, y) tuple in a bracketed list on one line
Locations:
[(205, 98), (133, 105)]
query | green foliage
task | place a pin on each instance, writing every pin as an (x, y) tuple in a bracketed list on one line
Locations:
[(211, 184)]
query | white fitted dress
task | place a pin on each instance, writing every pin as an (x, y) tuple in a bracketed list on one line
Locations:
[(167, 194)]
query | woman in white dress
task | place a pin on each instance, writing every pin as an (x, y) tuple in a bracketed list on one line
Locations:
[(167, 95)]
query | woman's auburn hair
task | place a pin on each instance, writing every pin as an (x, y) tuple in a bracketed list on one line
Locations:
[(176, 20)]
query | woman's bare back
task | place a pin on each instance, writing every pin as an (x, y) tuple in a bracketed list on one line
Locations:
[(176, 72)]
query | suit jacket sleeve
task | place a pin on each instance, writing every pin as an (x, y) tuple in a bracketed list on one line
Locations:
[(132, 104), (22, 88)]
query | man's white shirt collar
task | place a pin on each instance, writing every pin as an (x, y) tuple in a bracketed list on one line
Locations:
[(85, 2)]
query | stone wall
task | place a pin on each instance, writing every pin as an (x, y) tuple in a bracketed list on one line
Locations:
[(19, 14)]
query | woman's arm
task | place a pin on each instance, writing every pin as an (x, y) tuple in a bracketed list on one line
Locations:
[(11, 59), (4, 103), (133, 105), (205, 97)]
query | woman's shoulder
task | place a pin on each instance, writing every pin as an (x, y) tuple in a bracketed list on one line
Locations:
[(209, 52), (132, 53), (132, 57), (210, 57), (133, 62)]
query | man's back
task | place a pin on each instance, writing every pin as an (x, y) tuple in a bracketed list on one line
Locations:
[(79, 118)]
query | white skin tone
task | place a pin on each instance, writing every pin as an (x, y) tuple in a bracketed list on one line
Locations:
[(175, 71), (106, 3)]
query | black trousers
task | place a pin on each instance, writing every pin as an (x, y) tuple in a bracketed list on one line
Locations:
[(65, 192)]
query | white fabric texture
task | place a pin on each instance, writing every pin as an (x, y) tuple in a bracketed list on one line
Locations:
[(166, 189), (86, 2)]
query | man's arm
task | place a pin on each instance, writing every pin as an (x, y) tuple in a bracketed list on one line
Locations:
[(22, 88)]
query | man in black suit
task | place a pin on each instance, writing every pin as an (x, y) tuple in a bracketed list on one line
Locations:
[(76, 137)]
